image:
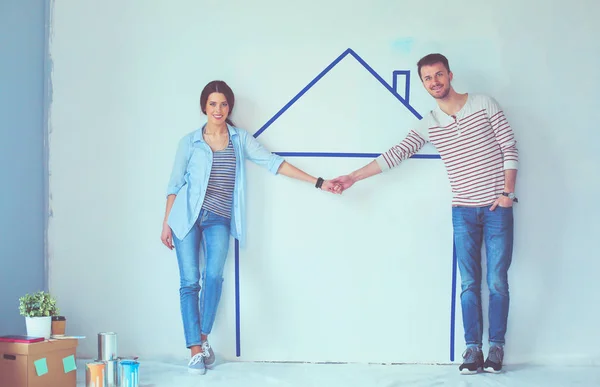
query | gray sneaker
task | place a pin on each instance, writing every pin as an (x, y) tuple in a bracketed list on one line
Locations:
[(209, 355), (472, 361), (196, 364), (494, 361)]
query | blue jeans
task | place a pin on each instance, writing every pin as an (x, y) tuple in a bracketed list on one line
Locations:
[(472, 225), (211, 232)]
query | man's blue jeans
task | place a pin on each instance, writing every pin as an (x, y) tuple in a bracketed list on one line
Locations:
[(211, 233), (472, 225)]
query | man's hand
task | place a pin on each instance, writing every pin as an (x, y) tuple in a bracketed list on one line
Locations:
[(502, 201), (342, 183), (331, 187)]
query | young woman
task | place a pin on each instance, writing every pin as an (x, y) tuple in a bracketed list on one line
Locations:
[(206, 204)]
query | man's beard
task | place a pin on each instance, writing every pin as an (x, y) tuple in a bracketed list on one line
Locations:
[(442, 96)]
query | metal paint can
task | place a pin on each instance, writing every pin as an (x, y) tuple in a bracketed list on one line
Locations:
[(107, 346), (95, 375), (129, 373), (112, 374)]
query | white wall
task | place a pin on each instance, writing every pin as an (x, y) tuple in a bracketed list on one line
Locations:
[(362, 277)]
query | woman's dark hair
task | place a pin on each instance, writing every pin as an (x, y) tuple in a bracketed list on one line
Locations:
[(218, 87)]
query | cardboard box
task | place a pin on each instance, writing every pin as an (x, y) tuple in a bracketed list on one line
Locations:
[(45, 364)]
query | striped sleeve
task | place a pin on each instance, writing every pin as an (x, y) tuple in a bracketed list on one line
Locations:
[(504, 134), (400, 152)]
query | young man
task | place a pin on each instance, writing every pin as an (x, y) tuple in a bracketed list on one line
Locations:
[(478, 148)]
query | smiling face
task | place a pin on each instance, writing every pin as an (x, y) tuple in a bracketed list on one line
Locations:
[(436, 79), (217, 108), (217, 101)]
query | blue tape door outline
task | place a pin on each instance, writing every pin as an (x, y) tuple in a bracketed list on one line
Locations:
[(405, 101), (237, 298), (347, 155), (453, 301)]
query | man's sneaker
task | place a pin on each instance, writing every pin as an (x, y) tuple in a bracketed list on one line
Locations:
[(493, 363), (473, 360), (209, 355), (196, 364)]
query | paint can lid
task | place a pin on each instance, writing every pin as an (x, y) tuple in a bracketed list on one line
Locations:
[(129, 363), (95, 364), (130, 358)]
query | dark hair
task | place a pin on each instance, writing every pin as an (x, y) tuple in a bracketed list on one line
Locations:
[(218, 87), (431, 59)]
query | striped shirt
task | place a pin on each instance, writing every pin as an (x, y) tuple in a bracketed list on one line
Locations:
[(219, 193), (476, 145)]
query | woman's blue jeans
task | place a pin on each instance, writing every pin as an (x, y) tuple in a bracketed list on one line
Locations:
[(472, 225), (199, 304)]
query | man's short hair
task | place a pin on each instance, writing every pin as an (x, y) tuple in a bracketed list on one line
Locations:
[(432, 59)]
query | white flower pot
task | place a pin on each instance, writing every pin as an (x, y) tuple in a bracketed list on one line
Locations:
[(39, 326)]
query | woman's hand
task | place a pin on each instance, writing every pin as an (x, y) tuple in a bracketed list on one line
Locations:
[(331, 187), (167, 236)]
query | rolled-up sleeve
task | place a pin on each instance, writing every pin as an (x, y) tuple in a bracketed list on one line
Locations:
[(177, 179), (411, 144), (258, 154)]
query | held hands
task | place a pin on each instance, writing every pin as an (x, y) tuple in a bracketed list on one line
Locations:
[(342, 183), (330, 187), (337, 185)]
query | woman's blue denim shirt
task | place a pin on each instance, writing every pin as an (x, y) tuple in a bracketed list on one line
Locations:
[(191, 170)]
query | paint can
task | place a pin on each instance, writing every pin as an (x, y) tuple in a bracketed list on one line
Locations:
[(112, 374), (95, 375), (129, 373), (107, 346)]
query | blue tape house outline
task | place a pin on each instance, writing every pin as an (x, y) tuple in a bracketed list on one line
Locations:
[(404, 101)]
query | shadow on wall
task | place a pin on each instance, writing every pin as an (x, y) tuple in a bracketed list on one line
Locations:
[(539, 241)]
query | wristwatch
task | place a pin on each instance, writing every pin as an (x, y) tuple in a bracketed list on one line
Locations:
[(511, 196)]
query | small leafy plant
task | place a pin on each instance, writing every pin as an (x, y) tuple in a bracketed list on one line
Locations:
[(40, 304)]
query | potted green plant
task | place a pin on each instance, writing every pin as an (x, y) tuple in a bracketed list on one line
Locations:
[(38, 309)]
